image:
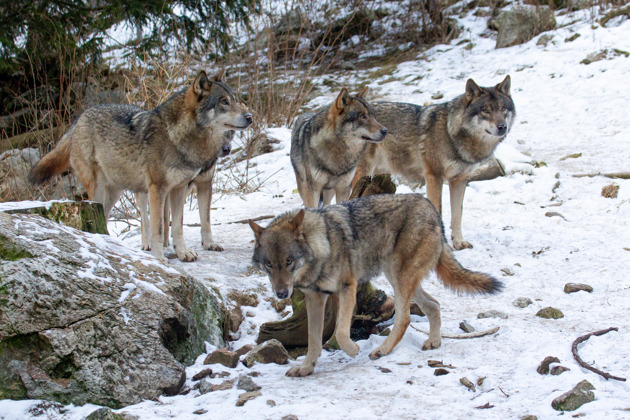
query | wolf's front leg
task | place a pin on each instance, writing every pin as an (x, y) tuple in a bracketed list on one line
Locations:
[(178, 194), (457, 188), (145, 225), (315, 306), (157, 196), (347, 300)]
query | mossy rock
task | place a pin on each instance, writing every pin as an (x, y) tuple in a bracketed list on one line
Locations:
[(550, 313), (87, 216)]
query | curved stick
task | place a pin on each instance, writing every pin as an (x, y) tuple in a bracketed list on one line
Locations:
[(574, 350), (462, 336)]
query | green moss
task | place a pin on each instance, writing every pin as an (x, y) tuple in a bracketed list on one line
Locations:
[(9, 251)]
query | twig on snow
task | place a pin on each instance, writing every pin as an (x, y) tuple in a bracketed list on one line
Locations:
[(462, 336), (574, 350)]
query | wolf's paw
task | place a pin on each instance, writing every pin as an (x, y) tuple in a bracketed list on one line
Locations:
[(212, 246), (377, 354), (431, 343), (146, 247), (351, 348), (459, 245), (186, 255), (300, 371)]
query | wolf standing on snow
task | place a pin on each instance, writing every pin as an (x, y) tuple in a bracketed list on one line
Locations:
[(335, 249), (326, 147), (442, 142), (112, 148)]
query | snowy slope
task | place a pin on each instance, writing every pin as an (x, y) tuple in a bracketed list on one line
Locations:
[(563, 108)]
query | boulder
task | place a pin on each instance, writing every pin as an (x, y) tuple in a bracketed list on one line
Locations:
[(521, 23), (581, 394), (271, 351), (83, 319), (87, 216), (15, 165)]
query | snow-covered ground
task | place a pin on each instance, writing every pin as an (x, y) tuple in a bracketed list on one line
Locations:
[(564, 108)]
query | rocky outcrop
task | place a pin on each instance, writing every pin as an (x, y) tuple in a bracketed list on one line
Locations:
[(87, 216), (83, 319), (521, 23)]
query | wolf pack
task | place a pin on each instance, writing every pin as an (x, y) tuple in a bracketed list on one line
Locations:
[(325, 250)]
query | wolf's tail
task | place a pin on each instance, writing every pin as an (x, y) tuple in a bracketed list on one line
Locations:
[(54, 163), (460, 279)]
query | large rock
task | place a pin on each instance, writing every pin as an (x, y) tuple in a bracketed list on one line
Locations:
[(87, 216), (521, 23), (15, 165), (83, 319), (581, 394)]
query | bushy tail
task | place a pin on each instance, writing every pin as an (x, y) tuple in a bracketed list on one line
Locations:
[(462, 280), (54, 163)]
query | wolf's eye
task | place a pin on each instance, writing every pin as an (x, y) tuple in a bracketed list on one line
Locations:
[(225, 102), (503, 109), (268, 264), (289, 261), (485, 110), (363, 116)]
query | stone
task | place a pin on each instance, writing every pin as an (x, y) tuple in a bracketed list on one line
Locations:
[(244, 350), (223, 356), (204, 373), (543, 368), (236, 318), (529, 417), (108, 414), (507, 271), (223, 386), (247, 384), (205, 386), (577, 287), (544, 39), (522, 302), (595, 56), (581, 394), (558, 370), (610, 191), (440, 372), (550, 313), (243, 398), (83, 319), (521, 23), (492, 314), (466, 327), (271, 351), (200, 411)]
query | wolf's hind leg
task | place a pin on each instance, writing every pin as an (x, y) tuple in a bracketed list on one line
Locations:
[(142, 200), (431, 308)]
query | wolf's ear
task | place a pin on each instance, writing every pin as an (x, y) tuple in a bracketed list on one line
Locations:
[(472, 90), (342, 100), (297, 222), (504, 86), (201, 85), (360, 94), (220, 76), (256, 228)]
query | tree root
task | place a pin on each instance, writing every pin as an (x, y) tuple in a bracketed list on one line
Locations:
[(574, 350), (462, 336)]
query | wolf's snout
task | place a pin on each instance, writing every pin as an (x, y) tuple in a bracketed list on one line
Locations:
[(248, 118), (383, 131), (502, 128), (282, 294), (226, 150)]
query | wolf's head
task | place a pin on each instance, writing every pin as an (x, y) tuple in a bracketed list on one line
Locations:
[(226, 145), (490, 110), (353, 118), (214, 105), (281, 251)]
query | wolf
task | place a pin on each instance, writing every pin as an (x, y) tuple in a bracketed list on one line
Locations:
[(332, 250), (202, 184), (442, 142), (326, 147), (112, 148)]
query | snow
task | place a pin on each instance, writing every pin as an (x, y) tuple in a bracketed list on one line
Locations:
[(564, 107)]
